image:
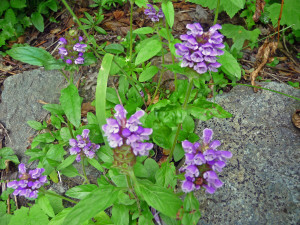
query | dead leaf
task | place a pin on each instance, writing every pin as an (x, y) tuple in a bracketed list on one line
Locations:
[(156, 99), (296, 118), (87, 107), (55, 31), (263, 55), (118, 14), (260, 4)]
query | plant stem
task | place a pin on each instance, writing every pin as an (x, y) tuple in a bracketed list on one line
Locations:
[(83, 170), (160, 77), (217, 12), (63, 73), (131, 189), (172, 56), (56, 195), (282, 2), (187, 96), (130, 43), (70, 129), (248, 85)]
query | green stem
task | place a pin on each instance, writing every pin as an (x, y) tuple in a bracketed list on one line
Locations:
[(131, 189), (70, 128), (248, 85), (83, 170), (56, 195), (217, 12), (187, 96), (101, 49), (130, 43), (63, 73), (172, 56), (160, 77)]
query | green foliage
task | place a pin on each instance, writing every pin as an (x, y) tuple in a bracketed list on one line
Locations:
[(90, 23), (17, 15), (7, 154), (231, 7), (290, 13), (239, 35)]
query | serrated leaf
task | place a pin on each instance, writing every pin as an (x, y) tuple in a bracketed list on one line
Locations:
[(71, 104), (160, 198), (239, 35), (33, 56), (148, 51), (166, 175), (45, 205), (120, 214), (10, 16)]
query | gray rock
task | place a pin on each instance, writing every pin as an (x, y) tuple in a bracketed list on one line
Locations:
[(20, 103), (262, 178)]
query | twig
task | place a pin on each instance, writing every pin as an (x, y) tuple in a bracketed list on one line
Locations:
[(282, 2), (113, 83)]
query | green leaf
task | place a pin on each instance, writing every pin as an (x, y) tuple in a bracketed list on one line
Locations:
[(105, 154), (168, 10), (141, 3), (54, 109), (4, 5), (60, 217), (10, 16), (20, 217), (111, 96), (56, 152), (44, 138), (120, 215), (114, 48), (230, 66), (38, 21), (178, 152), (18, 4), (123, 88), (151, 167), (148, 51), (100, 30), (188, 124), (101, 91), (97, 201), (205, 110), (71, 104), (191, 210), (67, 162), (33, 56), (95, 164), (7, 153), (70, 171), (45, 205), (239, 35), (103, 219), (166, 175), (144, 30), (161, 136), (36, 125), (148, 73), (162, 199), (81, 191), (290, 13)]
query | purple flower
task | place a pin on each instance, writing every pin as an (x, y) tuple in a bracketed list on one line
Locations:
[(123, 131), (63, 51), (62, 41), (83, 146), (152, 14), (29, 183), (69, 61), (79, 60), (199, 50), (79, 47), (202, 161)]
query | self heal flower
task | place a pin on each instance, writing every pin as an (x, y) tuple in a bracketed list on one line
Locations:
[(29, 183), (199, 50), (152, 14), (202, 161), (82, 146), (122, 131)]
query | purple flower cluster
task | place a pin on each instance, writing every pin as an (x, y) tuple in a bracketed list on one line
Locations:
[(83, 146), (29, 183), (199, 49), (152, 14), (71, 50), (122, 131), (202, 161)]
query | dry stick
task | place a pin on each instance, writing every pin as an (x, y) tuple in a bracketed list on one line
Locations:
[(278, 28)]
